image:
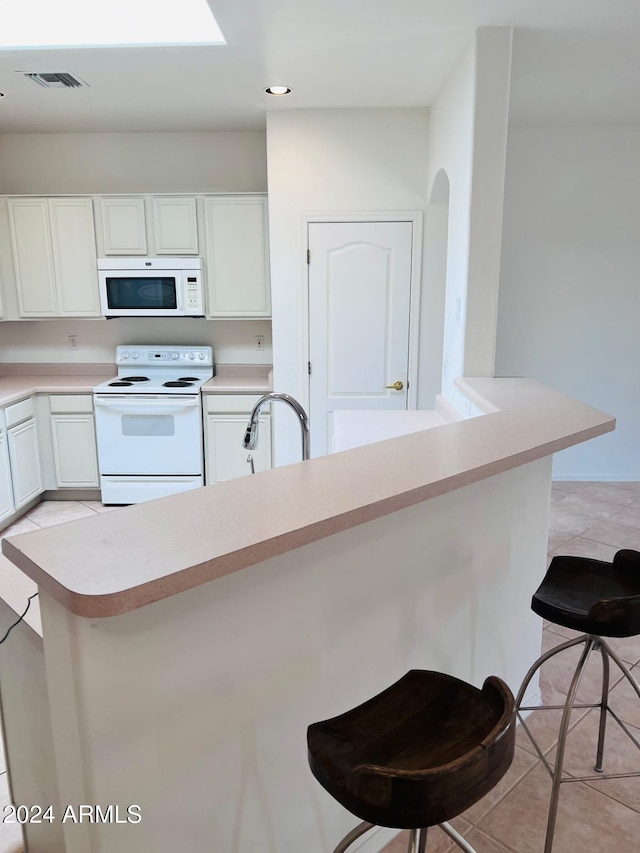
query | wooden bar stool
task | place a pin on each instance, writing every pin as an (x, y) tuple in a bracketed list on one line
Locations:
[(602, 600), (418, 754)]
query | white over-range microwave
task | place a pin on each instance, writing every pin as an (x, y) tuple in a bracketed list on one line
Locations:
[(151, 287)]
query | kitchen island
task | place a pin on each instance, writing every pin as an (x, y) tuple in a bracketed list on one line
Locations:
[(187, 642)]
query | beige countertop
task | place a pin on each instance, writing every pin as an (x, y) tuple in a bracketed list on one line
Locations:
[(239, 379), (14, 388), (20, 381), (118, 561)]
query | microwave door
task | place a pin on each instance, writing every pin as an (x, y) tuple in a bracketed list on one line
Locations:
[(140, 294)]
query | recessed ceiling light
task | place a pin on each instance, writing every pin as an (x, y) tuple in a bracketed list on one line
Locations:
[(278, 90), (76, 23)]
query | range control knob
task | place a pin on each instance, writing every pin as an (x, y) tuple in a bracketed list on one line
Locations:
[(125, 354), (201, 356), (174, 355), (135, 355), (192, 355)]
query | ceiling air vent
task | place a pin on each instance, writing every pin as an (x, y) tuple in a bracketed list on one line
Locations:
[(55, 79)]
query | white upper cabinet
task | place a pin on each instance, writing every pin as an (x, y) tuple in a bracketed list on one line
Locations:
[(124, 230), (74, 256), (160, 225), (33, 258), (54, 253), (175, 225), (237, 256)]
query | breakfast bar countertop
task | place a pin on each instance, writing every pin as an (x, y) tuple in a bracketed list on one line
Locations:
[(123, 560)]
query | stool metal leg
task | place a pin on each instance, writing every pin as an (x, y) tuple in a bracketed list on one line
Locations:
[(413, 841), (353, 835), (604, 705), (562, 739), (422, 841), (462, 843)]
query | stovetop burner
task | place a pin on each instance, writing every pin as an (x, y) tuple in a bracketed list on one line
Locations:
[(137, 378), (177, 383), (119, 384), (188, 379)]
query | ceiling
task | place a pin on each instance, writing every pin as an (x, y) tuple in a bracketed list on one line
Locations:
[(574, 62)]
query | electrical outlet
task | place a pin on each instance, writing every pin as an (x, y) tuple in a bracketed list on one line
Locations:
[(260, 342), (73, 342)]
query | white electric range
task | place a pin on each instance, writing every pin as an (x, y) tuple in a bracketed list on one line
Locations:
[(149, 422)]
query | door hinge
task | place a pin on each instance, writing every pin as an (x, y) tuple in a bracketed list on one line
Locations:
[(309, 367), (308, 256)]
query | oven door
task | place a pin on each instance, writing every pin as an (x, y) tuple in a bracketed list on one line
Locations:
[(149, 434), (141, 293)]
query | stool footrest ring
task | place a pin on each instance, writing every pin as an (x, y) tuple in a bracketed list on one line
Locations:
[(417, 840)]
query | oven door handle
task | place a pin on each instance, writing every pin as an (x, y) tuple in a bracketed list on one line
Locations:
[(146, 406)]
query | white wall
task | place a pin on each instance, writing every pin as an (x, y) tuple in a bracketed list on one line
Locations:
[(468, 142), (331, 161), (47, 341), (491, 118), (451, 150), (61, 163), (569, 295), (68, 163)]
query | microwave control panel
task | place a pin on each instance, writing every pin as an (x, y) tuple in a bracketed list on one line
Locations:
[(193, 295)]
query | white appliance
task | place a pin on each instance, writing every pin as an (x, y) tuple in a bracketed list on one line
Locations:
[(151, 287), (149, 422)]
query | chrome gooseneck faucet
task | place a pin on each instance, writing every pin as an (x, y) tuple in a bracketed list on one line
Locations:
[(251, 434)]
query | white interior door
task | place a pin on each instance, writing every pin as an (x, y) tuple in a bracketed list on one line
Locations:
[(359, 307)]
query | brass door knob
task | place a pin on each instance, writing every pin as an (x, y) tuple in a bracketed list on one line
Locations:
[(397, 385)]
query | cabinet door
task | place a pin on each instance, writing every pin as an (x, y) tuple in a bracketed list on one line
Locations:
[(6, 495), (32, 256), (225, 457), (123, 226), (74, 451), (237, 259), (175, 226), (25, 463), (74, 257)]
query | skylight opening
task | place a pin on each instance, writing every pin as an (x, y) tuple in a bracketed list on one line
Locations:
[(30, 24)]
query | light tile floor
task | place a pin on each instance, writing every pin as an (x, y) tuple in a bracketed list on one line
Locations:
[(587, 519)]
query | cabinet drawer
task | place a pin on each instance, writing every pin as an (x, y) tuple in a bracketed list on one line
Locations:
[(19, 412), (71, 404), (221, 403)]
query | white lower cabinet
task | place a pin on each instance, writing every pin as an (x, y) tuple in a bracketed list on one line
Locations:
[(73, 436), (226, 418), (6, 492), (25, 462)]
